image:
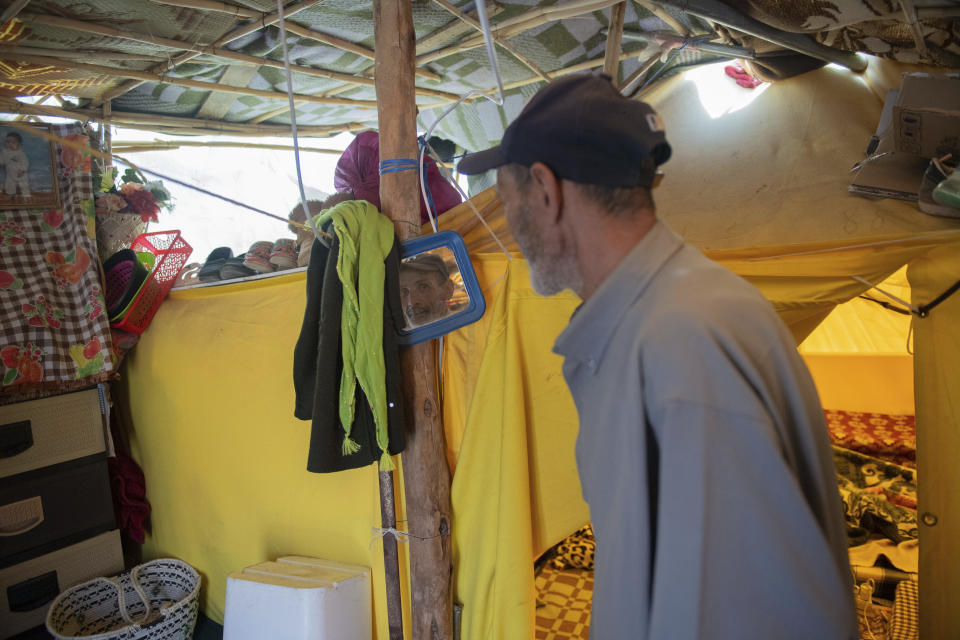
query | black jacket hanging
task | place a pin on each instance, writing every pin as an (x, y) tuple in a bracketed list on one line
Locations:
[(318, 361)]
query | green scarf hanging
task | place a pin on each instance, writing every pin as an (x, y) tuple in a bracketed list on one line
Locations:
[(366, 237)]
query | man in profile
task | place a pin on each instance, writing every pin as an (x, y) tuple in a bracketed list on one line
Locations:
[(425, 289), (702, 449)]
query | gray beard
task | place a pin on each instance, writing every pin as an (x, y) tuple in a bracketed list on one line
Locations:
[(549, 274)]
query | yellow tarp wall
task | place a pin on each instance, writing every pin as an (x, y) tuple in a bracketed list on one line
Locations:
[(211, 403), (859, 356)]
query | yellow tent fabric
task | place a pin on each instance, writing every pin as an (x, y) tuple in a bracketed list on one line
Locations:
[(511, 424), (211, 400), (937, 341), (210, 389), (864, 342)]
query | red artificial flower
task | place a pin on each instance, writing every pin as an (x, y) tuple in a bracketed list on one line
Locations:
[(143, 202)]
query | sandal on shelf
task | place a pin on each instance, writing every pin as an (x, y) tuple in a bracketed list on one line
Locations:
[(188, 275), (258, 257), (284, 253), (236, 268), (210, 271)]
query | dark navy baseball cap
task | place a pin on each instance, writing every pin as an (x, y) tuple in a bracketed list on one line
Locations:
[(585, 131)]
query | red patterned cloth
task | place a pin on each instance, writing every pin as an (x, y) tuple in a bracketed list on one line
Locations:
[(889, 437), (54, 332)]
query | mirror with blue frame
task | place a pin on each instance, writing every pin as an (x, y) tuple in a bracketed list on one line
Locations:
[(438, 287)]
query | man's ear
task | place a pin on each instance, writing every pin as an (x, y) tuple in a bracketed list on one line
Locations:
[(546, 189), (447, 290)]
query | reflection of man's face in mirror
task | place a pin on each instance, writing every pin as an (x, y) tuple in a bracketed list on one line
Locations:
[(425, 288)]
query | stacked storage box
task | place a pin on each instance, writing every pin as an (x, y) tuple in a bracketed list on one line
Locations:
[(57, 527)]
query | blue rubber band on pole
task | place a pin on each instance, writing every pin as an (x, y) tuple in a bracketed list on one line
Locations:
[(397, 164)]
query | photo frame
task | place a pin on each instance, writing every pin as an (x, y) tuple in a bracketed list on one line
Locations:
[(28, 169), (439, 291)]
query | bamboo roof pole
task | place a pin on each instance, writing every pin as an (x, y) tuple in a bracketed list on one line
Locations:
[(626, 88), (518, 24), (500, 41), (910, 15), (103, 30), (668, 19), (729, 17), (130, 146), (611, 58), (175, 124), (454, 29), (192, 84), (346, 45), (69, 54), (425, 472), (351, 81), (241, 13), (107, 133), (13, 10), (230, 36)]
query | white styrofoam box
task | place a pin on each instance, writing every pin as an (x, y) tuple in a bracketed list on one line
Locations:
[(299, 598), (28, 588), (44, 432)]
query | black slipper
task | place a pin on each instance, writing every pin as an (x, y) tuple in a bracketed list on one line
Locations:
[(234, 268), (210, 271)]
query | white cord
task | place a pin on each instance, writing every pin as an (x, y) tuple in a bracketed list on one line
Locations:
[(906, 304), (443, 169), (495, 67), (293, 122), (466, 199), (488, 40)]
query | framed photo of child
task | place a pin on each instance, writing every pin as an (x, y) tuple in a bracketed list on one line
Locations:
[(28, 176)]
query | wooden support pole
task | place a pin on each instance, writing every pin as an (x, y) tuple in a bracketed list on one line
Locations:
[(611, 59), (425, 471)]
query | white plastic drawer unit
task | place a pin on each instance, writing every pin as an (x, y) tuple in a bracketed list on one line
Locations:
[(44, 432), (28, 588)]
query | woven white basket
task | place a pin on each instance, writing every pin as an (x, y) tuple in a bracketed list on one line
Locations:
[(156, 600)]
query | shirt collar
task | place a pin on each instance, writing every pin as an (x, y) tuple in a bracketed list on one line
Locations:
[(592, 324)]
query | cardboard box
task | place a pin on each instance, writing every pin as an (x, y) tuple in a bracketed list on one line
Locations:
[(927, 115)]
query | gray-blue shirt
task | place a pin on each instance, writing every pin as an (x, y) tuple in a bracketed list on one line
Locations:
[(697, 414)]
